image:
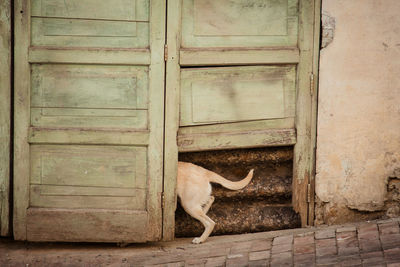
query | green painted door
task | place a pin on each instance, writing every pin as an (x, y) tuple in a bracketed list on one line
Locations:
[(89, 111), (238, 76)]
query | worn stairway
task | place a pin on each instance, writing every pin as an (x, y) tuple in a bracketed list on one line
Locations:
[(264, 205)]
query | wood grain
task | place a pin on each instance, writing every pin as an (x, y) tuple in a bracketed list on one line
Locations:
[(89, 96), (123, 10), (75, 197), (74, 24), (89, 56), (156, 120), (239, 23), (86, 225), (5, 116), (302, 169), (220, 57), (243, 126), (105, 166), (227, 94), (172, 89), (87, 136), (21, 117), (231, 140)]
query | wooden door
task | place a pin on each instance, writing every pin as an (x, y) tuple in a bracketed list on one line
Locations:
[(89, 103), (239, 76)]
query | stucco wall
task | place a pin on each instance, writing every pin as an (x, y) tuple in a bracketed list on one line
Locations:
[(358, 143)]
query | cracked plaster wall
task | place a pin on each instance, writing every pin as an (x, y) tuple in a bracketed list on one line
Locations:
[(358, 144)]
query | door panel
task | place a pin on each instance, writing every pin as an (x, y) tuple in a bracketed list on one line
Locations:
[(86, 225), (117, 23), (238, 23), (89, 86), (219, 95), (124, 10), (110, 166), (54, 196), (90, 120), (89, 96)]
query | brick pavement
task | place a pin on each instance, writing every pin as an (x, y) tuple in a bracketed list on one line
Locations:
[(374, 243)]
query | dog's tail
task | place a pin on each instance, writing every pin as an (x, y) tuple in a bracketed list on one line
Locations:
[(215, 178)]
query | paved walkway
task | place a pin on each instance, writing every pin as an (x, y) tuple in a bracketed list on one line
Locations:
[(375, 243)]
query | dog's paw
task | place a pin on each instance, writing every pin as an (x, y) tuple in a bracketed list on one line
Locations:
[(197, 240)]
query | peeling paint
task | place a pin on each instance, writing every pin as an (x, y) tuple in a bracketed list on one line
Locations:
[(328, 24)]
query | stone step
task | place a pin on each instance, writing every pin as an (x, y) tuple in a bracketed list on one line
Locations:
[(272, 155), (239, 217), (264, 205), (272, 180), (268, 184)]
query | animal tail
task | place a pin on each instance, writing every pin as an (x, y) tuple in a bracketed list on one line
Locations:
[(215, 178)]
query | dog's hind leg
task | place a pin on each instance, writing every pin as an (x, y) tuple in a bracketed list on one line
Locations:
[(199, 214), (207, 206)]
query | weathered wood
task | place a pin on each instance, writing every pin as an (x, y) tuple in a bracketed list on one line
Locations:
[(197, 57), (117, 23), (86, 225), (5, 109), (89, 56), (73, 197), (156, 120), (121, 10), (99, 118), (44, 27), (106, 166), (87, 33), (97, 140), (172, 89), (314, 110), (244, 126), (218, 95), (87, 136), (239, 158), (226, 23), (21, 117), (231, 140), (89, 96), (89, 86), (84, 36), (303, 150)]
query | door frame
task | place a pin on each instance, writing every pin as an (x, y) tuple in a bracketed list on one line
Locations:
[(304, 160), (306, 113), (5, 116)]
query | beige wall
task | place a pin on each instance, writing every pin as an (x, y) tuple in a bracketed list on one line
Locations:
[(358, 144)]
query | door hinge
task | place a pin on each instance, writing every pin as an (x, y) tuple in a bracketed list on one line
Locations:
[(308, 193), (312, 84), (165, 52), (162, 200)]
